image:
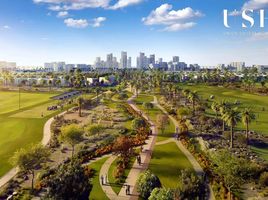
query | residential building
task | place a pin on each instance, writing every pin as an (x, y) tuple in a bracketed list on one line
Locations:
[(123, 60)]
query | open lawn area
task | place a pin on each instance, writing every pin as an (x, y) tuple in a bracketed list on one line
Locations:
[(20, 128), (9, 101), (97, 192), (166, 163)]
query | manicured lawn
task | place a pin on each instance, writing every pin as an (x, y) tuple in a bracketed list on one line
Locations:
[(169, 132), (37, 111), (256, 102), (9, 101), (17, 133), (117, 187), (97, 192), (166, 163), (20, 128)]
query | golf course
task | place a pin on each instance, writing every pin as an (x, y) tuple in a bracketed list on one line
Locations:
[(22, 117), (258, 103)]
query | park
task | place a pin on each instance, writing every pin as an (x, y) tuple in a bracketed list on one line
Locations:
[(138, 139)]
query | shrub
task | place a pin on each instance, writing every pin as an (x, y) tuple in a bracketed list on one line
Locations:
[(264, 179), (146, 183)]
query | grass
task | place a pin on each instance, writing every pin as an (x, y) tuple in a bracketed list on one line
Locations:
[(118, 186), (9, 101), (166, 163), (97, 192), (19, 128), (152, 113), (254, 101)]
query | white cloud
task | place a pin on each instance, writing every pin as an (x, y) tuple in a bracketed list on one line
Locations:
[(179, 27), (57, 5), (255, 4), (125, 3), (174, 20), (6, 27), (55, 8), (62, 14), (76, 23), (97, 22)]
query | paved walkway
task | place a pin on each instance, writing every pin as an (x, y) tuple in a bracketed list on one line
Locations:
[(136, 169), (189, 156)]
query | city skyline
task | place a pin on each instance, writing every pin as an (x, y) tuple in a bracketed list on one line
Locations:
[(36, 31)]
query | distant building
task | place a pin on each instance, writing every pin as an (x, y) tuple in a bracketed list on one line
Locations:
[(7, 66), (262, 68), (176, 59), (123, 60), (152, 59), (109, 60), (83, 67), (129, 63), (220, 67), (240, 66), (54, 66)]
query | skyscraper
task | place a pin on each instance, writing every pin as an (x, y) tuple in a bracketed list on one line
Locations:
[(141, 61), (176, 59), (129, 63), (123, 60), (152, 59), (109, 60)]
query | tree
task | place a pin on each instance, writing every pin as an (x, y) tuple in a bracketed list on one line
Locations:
[(147, 181), (69, 182), (95, 129), (191, 186), (72, 134), (123, 146), (138, 123), (80, 102), (148, 106), (228, 166), (193, 97), (247, 117), (29, 160), (161, 194), (162, 121), (216, 108), (232, 117)]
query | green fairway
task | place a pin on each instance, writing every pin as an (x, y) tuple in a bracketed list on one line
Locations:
[(152, 113), (258, 104), (9, 101), (97, 192), (20, 128), (166, 163)]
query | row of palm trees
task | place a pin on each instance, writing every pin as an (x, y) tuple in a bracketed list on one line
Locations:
[(232, 116)]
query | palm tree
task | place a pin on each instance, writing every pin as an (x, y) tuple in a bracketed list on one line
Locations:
[(247, 117), (216, 108), (80, 101), (193, 97), (232, 117)]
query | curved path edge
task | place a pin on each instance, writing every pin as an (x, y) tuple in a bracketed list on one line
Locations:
[(45, 140)]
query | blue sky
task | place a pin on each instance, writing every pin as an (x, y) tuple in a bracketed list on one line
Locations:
[(76, 31)]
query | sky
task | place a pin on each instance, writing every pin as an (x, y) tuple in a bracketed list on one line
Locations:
[(77, 31)]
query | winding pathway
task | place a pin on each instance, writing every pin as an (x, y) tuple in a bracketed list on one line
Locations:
[(133, 175)]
